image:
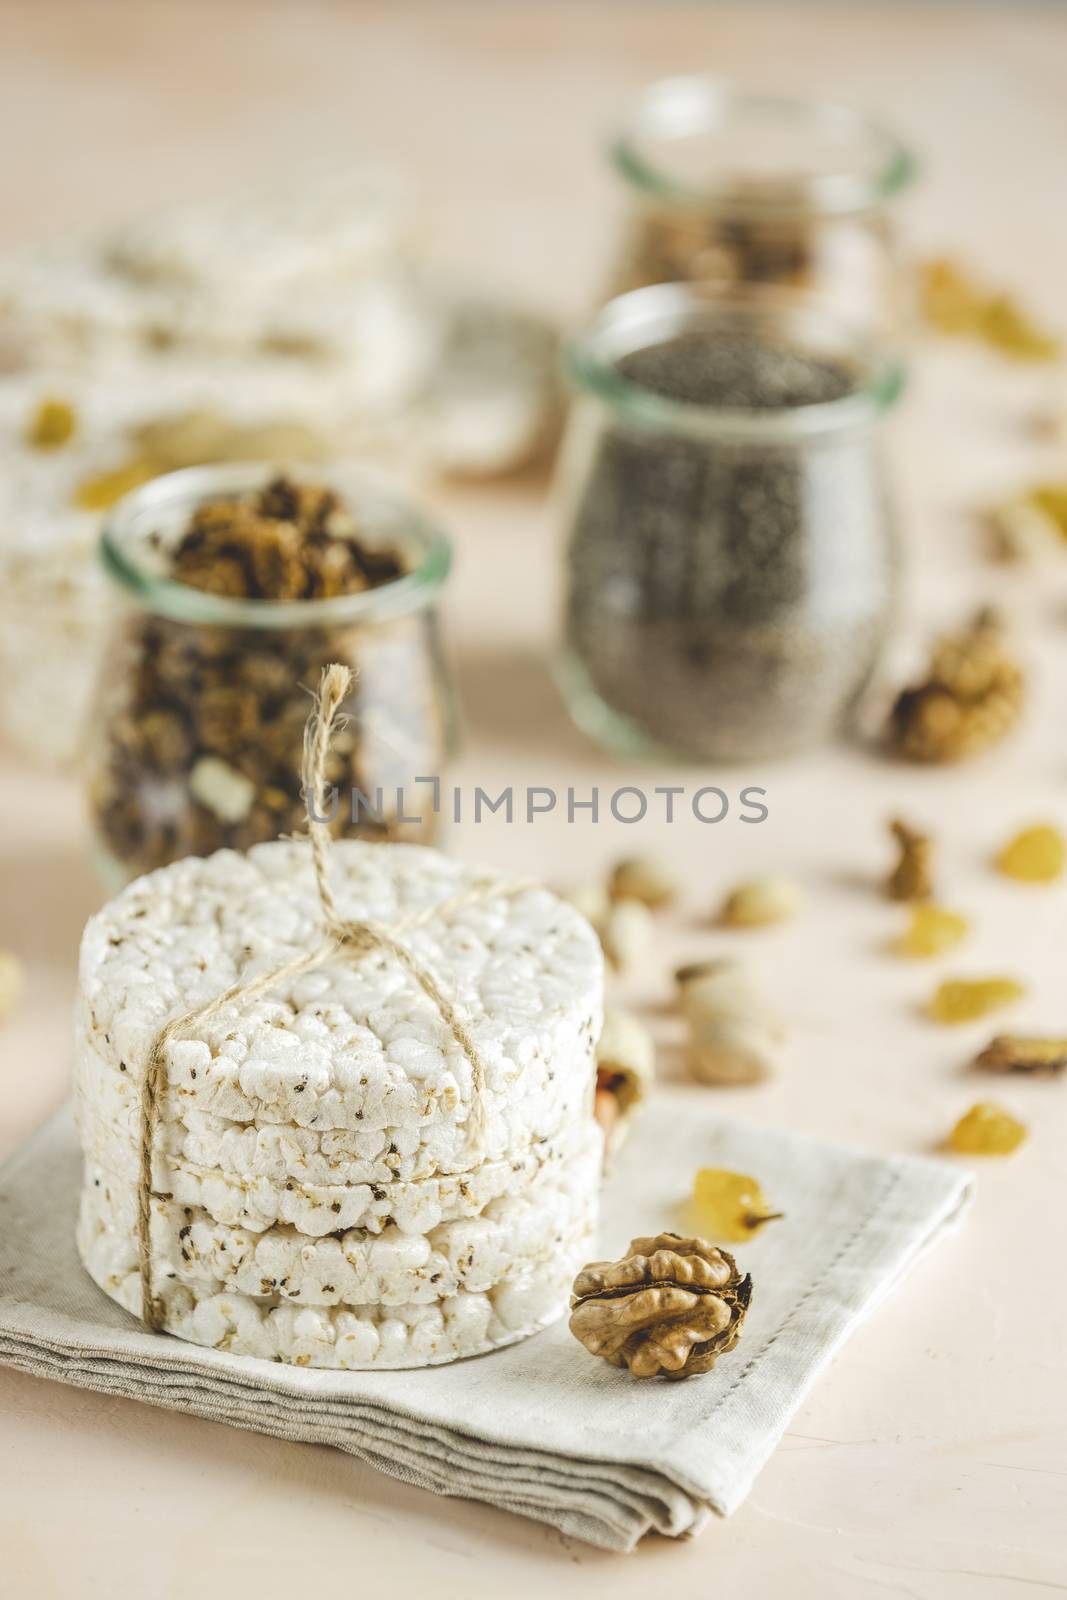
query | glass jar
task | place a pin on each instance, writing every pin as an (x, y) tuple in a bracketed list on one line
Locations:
[(196, 737), (729, 189), (731, 559)]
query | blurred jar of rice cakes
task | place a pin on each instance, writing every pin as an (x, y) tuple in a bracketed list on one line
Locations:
[(236, 587)]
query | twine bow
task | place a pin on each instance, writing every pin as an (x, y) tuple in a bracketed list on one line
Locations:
[(352, 938)]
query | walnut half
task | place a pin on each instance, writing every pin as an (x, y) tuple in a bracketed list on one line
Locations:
[(669, 1308)]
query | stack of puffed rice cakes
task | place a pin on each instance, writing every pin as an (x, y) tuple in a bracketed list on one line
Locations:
[(318, 1196)]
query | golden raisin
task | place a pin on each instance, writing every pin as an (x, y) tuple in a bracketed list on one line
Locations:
[(931, 930), (987, 1130), (51, 425), (104, 489), (1036, 855), (730, 1205), (966, 999)]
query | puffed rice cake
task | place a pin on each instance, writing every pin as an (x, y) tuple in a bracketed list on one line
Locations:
[(314, 1145)]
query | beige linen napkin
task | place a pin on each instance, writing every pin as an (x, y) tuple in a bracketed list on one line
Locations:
[(540, 1428)]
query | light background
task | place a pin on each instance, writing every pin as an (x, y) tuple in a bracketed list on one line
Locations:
[(931, 1461)]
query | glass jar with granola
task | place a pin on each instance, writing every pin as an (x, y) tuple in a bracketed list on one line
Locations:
[(727, 189), (237, 587)]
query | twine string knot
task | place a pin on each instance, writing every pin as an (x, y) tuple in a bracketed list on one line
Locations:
[(350, 938)]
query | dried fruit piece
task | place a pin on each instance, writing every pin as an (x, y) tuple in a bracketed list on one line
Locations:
[(1050, 499), (931, 930), (643, 878), (670, 1307), (104, 489), (971, 698), (760, 901), (987, 1130), (1007, 326), (911, 878), (954, 303), (51, 426), (965, 1000), (625, 1069), (950, 300), (1015, 1052), (730, 1205), (1036, 855), (1019, 529), (11, 980), (734, 1035)]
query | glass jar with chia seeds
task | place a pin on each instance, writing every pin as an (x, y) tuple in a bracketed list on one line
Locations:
[(236, 588), (731, 560), (726, 188)]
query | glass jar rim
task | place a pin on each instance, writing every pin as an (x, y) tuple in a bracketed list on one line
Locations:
[(644, 317), (174, 492), (696, 102)]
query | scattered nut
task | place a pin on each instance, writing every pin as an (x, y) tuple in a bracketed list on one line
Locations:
[(971, 698), (1014, 1052), (734, 1037), (626, 933), (591, 899), (670, 1307), (626, 1065), (643, 878), (760, 901), (912, 877)]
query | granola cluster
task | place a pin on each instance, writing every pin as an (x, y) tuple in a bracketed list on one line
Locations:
[(200, 735)]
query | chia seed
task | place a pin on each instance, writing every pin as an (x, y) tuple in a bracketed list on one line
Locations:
[(728, 591)]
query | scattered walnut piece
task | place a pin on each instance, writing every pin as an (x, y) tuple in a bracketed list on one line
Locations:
[(759, 902), (671, 1307), (643, 878), (971, 698), (912, 876), (1029, 1055)]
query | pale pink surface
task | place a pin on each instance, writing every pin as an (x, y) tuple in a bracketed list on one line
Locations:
[(931, 1461)]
